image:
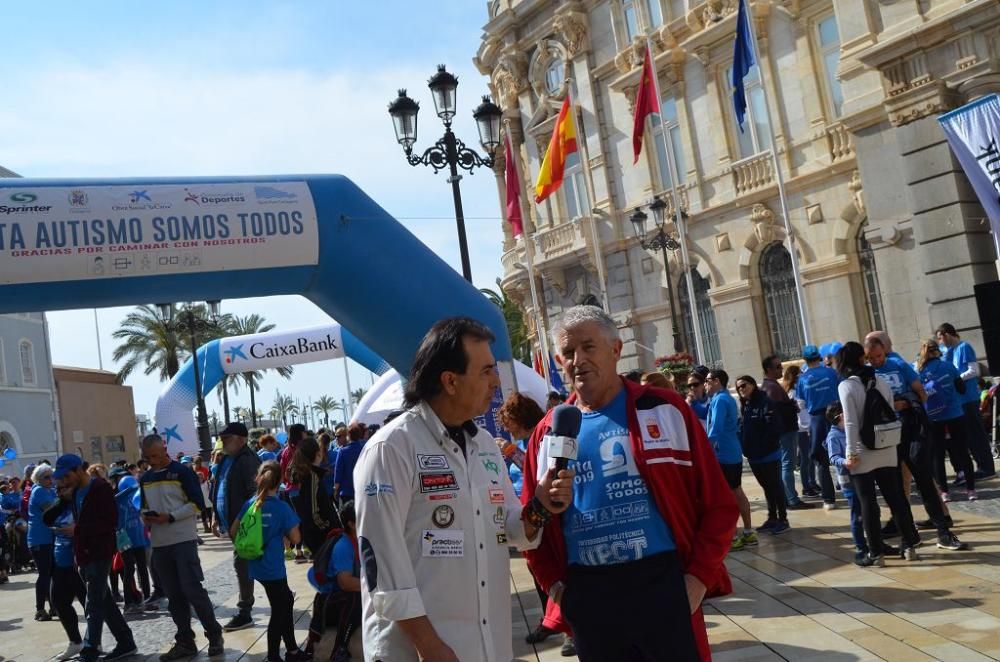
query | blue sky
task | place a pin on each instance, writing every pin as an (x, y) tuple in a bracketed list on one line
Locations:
[(230, 88)]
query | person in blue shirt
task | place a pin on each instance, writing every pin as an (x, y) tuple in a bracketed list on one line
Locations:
[(66, 581), (961, 355), (132, 545), (836, 448), (760, 433), (279, 522), (944, 388), (343, 475), (697, 397), (723, 423), (40, 538), (338, 599), (817, 387), (269, 448)]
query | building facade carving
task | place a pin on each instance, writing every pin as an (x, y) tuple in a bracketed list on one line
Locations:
[(854, 99)]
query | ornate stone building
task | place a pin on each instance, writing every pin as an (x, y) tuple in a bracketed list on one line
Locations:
[(888, 231)]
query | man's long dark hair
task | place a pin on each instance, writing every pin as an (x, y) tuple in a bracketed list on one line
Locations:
[(441, 351)]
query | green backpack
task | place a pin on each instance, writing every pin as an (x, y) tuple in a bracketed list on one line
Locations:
[(249, 542)]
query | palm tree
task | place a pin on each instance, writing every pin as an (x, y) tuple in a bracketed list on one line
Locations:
[(246, 326), (148, 341), (283, 406), (325, 405), (513, 315), (222, 391), (356, 396)]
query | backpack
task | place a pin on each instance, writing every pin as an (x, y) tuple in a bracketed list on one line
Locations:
[(249, 541), (880, 428), (321, 559)]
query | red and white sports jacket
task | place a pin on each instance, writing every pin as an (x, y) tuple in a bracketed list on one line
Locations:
[(675, 459)]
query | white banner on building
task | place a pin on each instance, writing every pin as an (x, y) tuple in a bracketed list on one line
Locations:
[(973, 131), (276, 349), (54, 233)]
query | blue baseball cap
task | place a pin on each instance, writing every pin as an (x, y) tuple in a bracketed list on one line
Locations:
[(810, 352), (833, 348), (67, 463)]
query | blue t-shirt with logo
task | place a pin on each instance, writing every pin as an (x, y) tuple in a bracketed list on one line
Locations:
[(898, 374), (960, 356), (818, 388), (63, 544), (943, 402), (613, 518), (220, 493), (278, 519), (38, 533), (342, 559), (724, 428)]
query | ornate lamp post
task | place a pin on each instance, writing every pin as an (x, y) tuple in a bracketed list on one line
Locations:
[(448, 151), (193, 324), (663, 242)]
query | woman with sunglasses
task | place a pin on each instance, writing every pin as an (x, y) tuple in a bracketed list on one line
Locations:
[(760, 435), (872, 466), (697, 398), (944, 409)]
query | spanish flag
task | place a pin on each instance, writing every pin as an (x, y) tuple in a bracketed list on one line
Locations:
[(562, 144)]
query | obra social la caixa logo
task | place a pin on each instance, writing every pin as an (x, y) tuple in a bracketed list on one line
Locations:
[(23, 202)]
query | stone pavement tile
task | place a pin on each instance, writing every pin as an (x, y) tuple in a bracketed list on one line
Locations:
[(952, 652), (748, 651), (889, 648)]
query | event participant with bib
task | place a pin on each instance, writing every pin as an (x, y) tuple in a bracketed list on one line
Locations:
[(438, 512), (915, 451), (872, 466), (960, 354), (278, 522), (944, 388), (640, 448), (817, 387)]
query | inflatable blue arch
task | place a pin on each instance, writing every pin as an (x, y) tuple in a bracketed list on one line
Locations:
[(80, 243)]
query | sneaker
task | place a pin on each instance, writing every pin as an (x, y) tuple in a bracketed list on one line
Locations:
[(88, 654), (539, 634), (800, 505), (925, 524), (217, 646), (950, 541), (737, 544), (179, 652), (945, 497), (909, 554), (568, 648), (53, 613), (811, 492), (298, 656), (859, 558), (829, 505), (42, 615), (121, 650), (780, 527), (959, 479), (749, 539), (889, 550), (767, 526), (870, 561), (71, 652), (240, 621), (890, 530), (972, 495)]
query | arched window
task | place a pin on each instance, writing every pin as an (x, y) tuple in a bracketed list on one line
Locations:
[(869, 276), (27, 352), (554, 75), (780, 302), (706, 319)]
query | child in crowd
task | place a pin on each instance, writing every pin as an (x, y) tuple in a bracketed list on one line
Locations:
[(338, 598), (279, 522), (836, 448)]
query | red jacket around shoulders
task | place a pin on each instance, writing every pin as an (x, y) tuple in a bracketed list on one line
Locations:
[(677, 463)]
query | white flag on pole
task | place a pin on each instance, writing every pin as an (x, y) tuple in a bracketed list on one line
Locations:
[(973, 132)]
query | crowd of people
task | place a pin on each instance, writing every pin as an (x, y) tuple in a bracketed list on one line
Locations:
[(408, 530)]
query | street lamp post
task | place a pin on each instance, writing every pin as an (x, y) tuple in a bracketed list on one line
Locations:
[(448, 150), (661, 241), (193, 324)]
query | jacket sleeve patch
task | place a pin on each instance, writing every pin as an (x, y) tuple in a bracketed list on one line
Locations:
[(663, 428), (368, 561)]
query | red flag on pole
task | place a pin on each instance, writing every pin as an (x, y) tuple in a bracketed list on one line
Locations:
[(645, 103), (513, 189)]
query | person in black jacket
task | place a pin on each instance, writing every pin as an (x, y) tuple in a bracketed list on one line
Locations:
[(94, 546), (760, 435), (233, 487), (313, 503)]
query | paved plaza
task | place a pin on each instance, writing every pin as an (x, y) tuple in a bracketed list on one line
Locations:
[(796, 597)]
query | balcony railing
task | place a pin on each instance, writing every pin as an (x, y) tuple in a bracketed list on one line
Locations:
[(753, 173), (839, 142)]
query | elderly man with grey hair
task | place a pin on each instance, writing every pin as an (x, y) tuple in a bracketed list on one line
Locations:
[(652, 516)]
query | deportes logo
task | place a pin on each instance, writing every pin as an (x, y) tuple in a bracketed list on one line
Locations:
[(213, 198)]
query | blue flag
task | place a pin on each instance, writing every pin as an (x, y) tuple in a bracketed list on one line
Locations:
[(555, 377), (742, 62)]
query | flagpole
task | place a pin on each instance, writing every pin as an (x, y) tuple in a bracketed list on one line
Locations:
[(350, 400), (678, 219), (97, 334), (799, 292), (588, 185), (530, 261)]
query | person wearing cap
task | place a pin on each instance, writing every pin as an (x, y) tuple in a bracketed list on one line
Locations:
[(817, 388), (93, 531), (829, 351), (132, 541), (171, 501), (234, 486)]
